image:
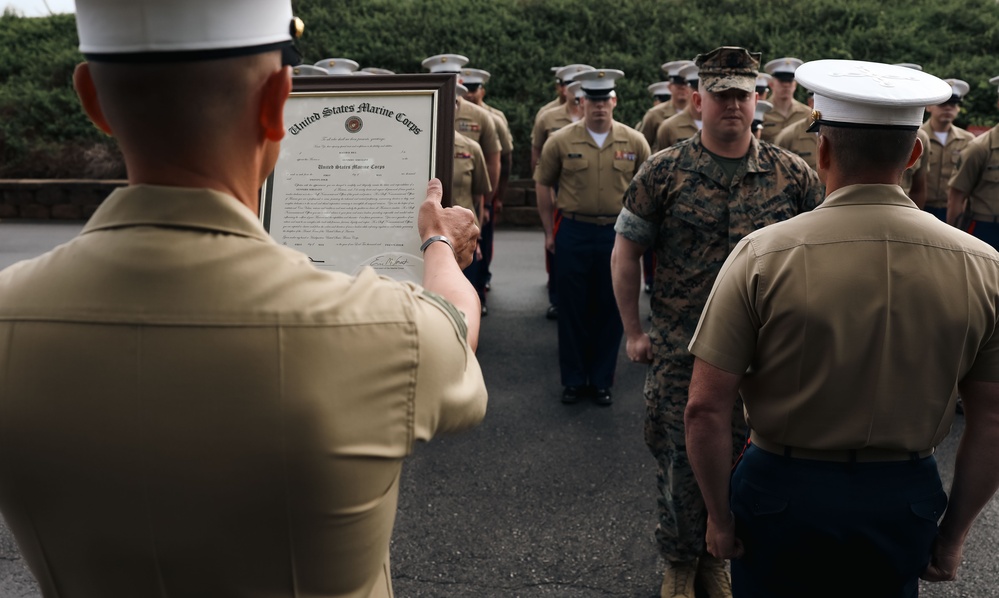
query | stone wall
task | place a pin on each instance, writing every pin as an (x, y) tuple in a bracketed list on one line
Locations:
[(53, 199), (77, 200)]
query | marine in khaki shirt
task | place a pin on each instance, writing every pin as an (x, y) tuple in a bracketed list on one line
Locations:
[(974, 186), (797, 139), (944, 150), (470, 120), (786, 110), (592, 180), (841, 332), (553, 120), (942, 160), (679, 89), (563, 77), (479, 125), (660, 95), (837, 237), (677, 128), (592, 162), (470, 181), (977, 178), (190, 407)]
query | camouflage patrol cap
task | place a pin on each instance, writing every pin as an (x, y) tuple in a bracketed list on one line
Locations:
[(728, 67)]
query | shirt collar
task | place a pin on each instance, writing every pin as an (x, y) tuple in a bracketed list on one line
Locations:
[(180, 207), (856, 195), (703, 161)]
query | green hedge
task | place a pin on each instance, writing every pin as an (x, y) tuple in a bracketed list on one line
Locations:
[(517, 41)]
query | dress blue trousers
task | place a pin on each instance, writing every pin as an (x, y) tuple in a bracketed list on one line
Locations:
[(589, 325), (821, 529)]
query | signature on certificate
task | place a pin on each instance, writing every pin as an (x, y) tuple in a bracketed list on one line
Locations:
[(389, 261)]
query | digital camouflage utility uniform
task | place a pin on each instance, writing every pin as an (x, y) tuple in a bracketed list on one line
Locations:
[(681, 204)]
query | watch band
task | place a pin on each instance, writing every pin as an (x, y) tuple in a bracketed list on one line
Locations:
[(434, 239)]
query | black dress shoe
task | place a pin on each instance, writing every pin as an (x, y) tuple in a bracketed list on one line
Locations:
[(485, 310), (552, 313), (648, 288), (572, 394), (602, 396)]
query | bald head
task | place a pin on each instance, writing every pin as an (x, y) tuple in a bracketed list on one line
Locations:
[(869, 151), (178, 106), (210, 123)]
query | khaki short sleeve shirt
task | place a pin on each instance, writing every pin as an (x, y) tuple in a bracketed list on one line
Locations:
[(547, 123), (797, 139), (202, 408), (478, 125), (591, 179), (865, 312), (675, 129), (469, 178), (502, 129), (654, 117), (941, 162), (774, 122), (977, 174)]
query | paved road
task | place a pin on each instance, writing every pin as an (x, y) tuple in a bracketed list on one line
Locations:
[(542, 499)]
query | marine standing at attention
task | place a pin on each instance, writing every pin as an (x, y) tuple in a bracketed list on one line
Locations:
[(821, 324), (693, 202), (592, 161)]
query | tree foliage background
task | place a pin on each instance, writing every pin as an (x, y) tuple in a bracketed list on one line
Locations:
[(44, 134)]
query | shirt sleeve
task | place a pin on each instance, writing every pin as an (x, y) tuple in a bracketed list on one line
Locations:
[(480, 174), (969, 169), (635, 229), (488, 138), (549, 165), (729, 326), (450, 392), (538, 136)]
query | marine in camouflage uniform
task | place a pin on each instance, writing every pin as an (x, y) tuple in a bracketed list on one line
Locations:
[(693, 211), (681, 203)]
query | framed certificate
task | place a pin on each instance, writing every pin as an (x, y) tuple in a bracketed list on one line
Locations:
[(353, 169)]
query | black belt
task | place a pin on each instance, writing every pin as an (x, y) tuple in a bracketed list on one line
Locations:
[(862, 455), (591, 219)]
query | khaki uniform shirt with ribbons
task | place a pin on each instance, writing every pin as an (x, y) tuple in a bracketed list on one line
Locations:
[(502, 129), (774, 122), (906, 180), (977, 175), (830, 316), (549, 122), (189, 407), (675, 129), (941, 161), (591, 180), (470, 177), (479, 125), (797, 139), (654, 117)]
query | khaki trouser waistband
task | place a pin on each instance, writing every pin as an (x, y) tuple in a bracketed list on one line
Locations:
[(862, 455)]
